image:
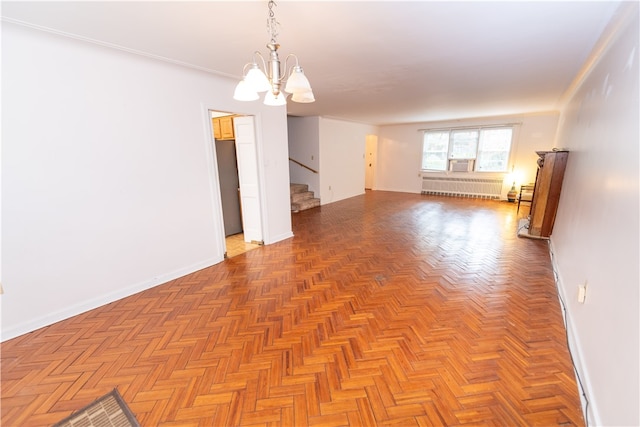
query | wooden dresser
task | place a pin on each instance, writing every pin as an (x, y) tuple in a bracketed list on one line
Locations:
[(546, 195)]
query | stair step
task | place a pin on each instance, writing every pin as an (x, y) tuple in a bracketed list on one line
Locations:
[(299, 197), (305, 204), (298, 188)]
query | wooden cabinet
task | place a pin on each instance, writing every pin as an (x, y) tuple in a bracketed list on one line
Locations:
[(226, 127), (223, 128), (546, 195), (216, 128)]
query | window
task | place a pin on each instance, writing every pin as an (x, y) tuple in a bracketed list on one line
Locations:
[(434, 151), (493, 151), (464, 144), (489, 148)]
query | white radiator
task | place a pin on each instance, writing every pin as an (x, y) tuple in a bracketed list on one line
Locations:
[(486, 188)]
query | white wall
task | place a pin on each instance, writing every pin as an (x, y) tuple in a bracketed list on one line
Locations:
[(107, 174), (304, 146), (336, 149), (342, 150), (400, 148), (595, 237)]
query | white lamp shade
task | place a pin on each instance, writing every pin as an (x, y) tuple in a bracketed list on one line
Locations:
[(297, 81), (274, 101), (244, 93), (257, 80), (303, 97)]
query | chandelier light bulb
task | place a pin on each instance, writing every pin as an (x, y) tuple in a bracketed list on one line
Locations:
[(303, 97), (244, 93), (275, 100), (257, 80), (297, 81)]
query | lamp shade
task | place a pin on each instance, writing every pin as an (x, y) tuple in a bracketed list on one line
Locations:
[(257, 80), (297, 81), (274, 101), (244, 93), (303, 97)]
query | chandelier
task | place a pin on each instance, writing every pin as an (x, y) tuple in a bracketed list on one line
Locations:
[(270, 78)]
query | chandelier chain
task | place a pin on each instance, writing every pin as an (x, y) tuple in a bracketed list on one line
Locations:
[(272, 23)]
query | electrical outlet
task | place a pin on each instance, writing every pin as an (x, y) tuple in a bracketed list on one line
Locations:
[(582, 293)]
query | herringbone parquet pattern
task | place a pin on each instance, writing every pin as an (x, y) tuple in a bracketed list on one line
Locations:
[(384, 309)]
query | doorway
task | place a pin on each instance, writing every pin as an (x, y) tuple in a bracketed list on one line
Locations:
[(236, 245), (232, 164), (370, 158), (229, 186)]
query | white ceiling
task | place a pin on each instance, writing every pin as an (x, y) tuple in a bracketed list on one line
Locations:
[(368, 61)]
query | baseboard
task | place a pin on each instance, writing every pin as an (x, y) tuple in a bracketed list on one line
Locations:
[(589, 407), (401, 190), (101, 300), (279, 238)]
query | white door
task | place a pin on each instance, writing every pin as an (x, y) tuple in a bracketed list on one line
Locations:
[(371, 149), (248, 177)]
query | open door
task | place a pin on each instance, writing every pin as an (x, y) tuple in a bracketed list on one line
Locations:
[(229, 184), (248, 176), (371, 149)]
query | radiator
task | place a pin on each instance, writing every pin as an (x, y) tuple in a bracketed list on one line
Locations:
[(485, 188)]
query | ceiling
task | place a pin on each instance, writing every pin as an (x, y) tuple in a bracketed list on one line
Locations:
[(372, 62)]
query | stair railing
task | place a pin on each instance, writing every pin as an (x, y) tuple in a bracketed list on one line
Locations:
[(303, 165)]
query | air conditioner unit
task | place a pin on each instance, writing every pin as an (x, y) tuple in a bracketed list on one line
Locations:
[(461, 165)]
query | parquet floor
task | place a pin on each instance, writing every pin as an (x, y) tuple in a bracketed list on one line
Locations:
[(384, 309)]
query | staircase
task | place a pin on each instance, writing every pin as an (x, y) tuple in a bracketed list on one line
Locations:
[(301, 198)]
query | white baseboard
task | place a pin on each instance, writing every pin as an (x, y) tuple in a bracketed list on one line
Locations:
[(74, 310), (279, 238), (589, 409)]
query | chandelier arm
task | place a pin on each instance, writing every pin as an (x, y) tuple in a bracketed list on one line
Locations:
[(244, 69), (288, 69), (264, 64)]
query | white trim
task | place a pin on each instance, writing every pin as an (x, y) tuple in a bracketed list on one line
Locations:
[(619, 20), (280, 237), (590, 410), (259, 144), (214, 183), (117, 47), (492, 126)]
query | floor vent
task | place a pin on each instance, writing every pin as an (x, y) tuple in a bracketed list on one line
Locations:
[(484, 188)]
